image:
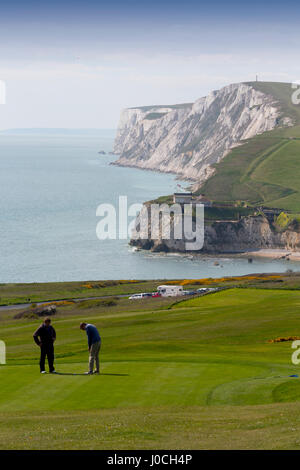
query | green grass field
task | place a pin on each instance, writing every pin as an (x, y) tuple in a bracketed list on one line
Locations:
[(265, 170), (38, 292), (198, 374)]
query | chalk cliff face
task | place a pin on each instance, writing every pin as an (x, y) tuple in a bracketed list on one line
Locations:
[(188, 139), (249, 233)]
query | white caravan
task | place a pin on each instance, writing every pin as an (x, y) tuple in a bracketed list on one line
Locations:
[(170, 291)]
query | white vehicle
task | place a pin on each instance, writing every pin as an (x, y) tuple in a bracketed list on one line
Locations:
[(139, 296), (170, 291), (206, 289)]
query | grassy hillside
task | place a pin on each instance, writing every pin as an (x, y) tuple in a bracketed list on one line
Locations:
[(37, 292), (265, 170), (198, 374), (49, 291)]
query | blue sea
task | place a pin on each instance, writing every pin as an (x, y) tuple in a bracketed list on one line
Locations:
[(51, 183)]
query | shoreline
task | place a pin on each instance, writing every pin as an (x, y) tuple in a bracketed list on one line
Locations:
[(268, 253), (273, 253), (178, 176)]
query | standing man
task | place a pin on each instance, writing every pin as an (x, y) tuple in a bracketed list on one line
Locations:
[(44, 337), (94, 342)]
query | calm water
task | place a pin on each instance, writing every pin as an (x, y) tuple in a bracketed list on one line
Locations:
[(50, 186)]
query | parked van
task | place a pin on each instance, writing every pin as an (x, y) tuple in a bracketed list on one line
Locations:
[(170, 291), (204, 290), (139, 296)]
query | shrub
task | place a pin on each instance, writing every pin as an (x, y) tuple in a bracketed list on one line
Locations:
[(97, 303)]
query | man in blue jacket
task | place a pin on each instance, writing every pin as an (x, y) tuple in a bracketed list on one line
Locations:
[(94, 342)]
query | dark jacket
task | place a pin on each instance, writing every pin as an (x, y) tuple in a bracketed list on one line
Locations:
[(92, 334), (44, 334)]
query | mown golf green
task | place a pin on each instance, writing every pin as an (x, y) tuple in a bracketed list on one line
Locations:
[(195, 374)]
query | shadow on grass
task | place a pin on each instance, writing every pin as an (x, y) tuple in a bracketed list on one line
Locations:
[(101, 373), (119, 375)]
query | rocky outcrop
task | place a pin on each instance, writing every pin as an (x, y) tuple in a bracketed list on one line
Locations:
[(189, 139), (42, 311), (249, 233)]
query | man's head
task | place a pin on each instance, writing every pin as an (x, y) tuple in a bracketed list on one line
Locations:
[(47, 321), (83, 326)]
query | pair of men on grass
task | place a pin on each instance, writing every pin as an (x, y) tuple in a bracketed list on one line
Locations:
[(45, 336)]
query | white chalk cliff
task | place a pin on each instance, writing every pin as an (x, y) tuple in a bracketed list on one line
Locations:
[(188, 139)]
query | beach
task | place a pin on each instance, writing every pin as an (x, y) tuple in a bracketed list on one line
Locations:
[(274, 254)]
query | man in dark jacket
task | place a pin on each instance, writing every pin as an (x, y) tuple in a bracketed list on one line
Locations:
[(44, 337)]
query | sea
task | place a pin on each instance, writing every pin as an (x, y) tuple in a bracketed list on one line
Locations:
[(51, 183)]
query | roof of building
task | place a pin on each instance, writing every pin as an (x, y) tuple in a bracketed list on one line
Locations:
[(183, 194)]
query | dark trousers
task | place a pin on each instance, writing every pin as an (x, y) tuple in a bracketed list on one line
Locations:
[(47, 350)]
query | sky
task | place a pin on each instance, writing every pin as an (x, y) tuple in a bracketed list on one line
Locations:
[(76, 64)]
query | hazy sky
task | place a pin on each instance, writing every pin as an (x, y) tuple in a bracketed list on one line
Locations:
[(77, 63)]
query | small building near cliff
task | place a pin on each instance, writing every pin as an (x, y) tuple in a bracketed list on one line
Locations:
[(182, 198), (188, 198)]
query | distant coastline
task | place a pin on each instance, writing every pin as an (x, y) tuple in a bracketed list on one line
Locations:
[(55, 131)]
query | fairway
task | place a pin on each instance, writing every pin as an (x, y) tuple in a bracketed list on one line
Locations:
[(194, 374)]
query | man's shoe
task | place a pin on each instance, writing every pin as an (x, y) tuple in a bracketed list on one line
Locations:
[(53, 372), (96, 372), (43, 372), (88, 373)]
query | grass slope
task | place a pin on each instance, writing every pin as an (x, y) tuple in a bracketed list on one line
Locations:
[(198, 374), (265, 169), (38, 292)]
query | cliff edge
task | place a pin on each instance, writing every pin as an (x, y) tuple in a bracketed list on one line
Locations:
[(229, 237), (188, 139)]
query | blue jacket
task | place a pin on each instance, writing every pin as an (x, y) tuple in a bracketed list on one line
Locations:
[(92, 334)]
